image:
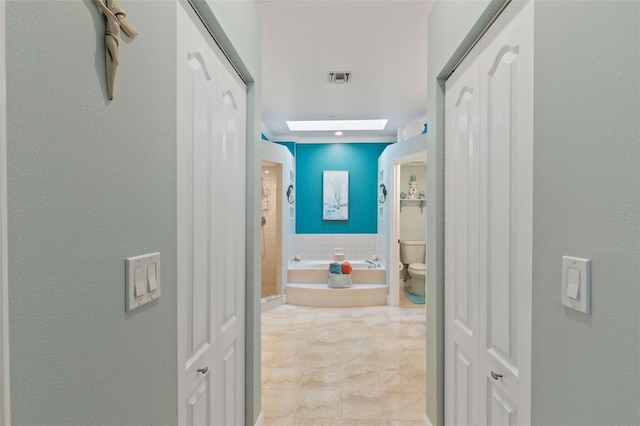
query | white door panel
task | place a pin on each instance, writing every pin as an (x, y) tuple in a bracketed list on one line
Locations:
[(194, 140), (506, 70), (488, 211), (501, 409), (211, 230), (461, 243), (232, 97)]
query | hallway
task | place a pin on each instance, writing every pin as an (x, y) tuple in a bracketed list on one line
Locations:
[(353, 366)]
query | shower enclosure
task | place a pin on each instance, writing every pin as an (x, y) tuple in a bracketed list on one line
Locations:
[(271, 226)]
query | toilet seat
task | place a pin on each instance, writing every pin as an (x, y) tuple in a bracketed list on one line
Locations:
[(419, 269), (418, 272), (418, 266)]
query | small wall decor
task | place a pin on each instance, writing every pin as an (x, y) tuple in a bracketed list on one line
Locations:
[(383, 193), (413, 187), (290, 195), (335, 195), (115, 18), (290, 198)]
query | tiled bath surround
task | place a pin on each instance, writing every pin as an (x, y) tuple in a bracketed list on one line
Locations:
[(321, 246), (381, 247), (291, 248)]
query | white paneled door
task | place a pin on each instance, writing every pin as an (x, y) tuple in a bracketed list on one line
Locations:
[(211, 107), (488, 231), (462, 246)]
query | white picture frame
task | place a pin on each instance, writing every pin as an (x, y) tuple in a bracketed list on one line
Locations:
[(335, 195)]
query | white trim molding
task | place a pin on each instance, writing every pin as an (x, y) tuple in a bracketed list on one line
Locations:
[(5, 411), (267, 132), (346, 139), (427, 422), (260, 420)]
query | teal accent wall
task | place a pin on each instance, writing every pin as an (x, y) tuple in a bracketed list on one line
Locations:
[(361, 161)]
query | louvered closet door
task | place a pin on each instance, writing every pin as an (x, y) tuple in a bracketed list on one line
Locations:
[(488, 223), (211, 106)]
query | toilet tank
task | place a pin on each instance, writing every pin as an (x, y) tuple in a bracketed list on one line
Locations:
[(412, 252)]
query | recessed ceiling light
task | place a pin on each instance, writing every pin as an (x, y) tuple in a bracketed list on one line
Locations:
[(339, 133), (332, 125)]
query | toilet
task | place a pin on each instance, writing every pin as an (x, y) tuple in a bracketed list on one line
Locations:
[(412, 253), (418, 271)]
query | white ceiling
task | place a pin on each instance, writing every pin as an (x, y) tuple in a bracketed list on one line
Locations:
[(383, 43)]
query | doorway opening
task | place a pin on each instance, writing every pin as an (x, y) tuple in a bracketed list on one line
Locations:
[(408, 222), (360, 364), (271, 234)]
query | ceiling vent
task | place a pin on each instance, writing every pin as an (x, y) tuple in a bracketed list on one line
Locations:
[(339, 77)]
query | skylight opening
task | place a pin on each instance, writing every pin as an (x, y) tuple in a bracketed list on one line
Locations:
[(336, 125)]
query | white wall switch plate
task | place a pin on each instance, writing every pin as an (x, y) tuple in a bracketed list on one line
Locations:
[(576, 284), (142, 280)]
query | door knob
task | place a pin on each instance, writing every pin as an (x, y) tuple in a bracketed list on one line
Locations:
[(204, 370), (496, 376)]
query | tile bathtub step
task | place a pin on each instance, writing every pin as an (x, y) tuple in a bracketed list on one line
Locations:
[(356, 286), (320, 295)]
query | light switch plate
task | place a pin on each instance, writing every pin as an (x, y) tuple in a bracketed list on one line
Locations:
[(576, 284), (142, 280)]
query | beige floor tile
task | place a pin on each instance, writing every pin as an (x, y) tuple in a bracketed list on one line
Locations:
[(319, 422), (361, 377), (321, 378), (404, 406), (402, 381), (363, 405), (344, 366), (281, 378), (280, 402), (280, 421), (319, 404)]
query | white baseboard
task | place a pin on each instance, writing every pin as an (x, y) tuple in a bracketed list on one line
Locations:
[(260, 421), (427, 422), (265, 306)]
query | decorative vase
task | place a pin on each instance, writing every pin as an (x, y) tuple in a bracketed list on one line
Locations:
[(413, 190)]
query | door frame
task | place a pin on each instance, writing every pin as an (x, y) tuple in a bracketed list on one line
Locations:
[(5, 411), (394, 222)]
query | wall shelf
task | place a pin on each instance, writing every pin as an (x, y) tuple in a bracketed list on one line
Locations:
[(413, 202)]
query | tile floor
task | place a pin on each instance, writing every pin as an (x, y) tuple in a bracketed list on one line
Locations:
[(344, 366)]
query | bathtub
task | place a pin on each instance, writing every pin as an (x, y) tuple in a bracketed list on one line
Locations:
[(308, 285), (317, 272)]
